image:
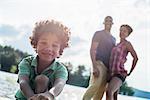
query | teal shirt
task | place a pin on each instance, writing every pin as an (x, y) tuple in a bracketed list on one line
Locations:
[(28, 66)]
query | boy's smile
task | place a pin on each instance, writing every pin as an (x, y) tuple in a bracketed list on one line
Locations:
[(48, 47)]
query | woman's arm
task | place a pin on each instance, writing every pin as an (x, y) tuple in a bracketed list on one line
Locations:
[(134, 55)]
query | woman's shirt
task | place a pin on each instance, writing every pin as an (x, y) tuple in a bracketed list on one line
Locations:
[(118, 58)]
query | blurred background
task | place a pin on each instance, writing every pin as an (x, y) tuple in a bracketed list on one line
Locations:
[(84, 17)]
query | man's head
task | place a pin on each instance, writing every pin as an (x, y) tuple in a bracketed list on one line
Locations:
[(108, 21), (125, 31)]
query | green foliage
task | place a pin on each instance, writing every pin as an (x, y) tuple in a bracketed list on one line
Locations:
[(126, 90), (13, 69), (9, 57), (7, 60), (76, 77)]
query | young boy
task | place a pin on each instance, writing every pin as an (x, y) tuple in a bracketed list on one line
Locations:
[(41, 77), (117, 60)]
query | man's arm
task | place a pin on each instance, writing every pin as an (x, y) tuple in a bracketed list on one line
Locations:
[(93, 52), (93, 49)]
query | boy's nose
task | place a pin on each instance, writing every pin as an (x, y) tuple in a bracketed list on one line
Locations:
[(48, 49)]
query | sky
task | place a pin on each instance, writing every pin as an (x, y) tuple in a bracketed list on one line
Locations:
[(83, 17)]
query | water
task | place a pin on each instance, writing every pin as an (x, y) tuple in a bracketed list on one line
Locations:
[(8, 87)]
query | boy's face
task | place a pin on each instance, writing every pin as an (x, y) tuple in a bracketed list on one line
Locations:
[(124, 32), (48, 47)]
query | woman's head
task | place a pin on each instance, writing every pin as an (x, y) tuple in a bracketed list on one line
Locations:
[(50, 27), (125, 30)]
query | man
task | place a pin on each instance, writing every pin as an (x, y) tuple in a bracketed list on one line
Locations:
[(102, 44)]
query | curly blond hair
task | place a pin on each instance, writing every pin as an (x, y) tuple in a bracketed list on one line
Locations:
[(52, 27)]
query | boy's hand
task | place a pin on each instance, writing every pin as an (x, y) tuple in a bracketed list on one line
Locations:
[(45, 96), (34, 97)]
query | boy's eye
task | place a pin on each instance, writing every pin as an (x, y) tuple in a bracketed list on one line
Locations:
[(42, 42), (55, 45)]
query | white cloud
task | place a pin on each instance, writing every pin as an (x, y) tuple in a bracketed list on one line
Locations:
[(9, 33), (142, 3)]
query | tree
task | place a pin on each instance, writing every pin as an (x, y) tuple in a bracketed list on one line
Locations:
[(77, 78), (7, 61), (9, 58), (126, 90)]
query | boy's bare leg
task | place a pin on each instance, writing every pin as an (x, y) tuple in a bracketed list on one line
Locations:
[(41, 84), (41, 87)]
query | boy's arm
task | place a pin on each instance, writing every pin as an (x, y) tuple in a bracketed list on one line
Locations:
[(25, 87), (58, 86)]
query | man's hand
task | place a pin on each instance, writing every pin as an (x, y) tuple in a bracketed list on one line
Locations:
[(95, 72)]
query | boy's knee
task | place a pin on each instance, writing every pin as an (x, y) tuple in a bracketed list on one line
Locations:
[(41, 78), (41, 83)]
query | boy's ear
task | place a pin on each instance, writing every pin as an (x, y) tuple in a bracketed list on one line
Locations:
[(58, 55), (60, 52)]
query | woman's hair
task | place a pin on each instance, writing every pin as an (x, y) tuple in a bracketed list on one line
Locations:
[(128, 27), (52, 27)]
